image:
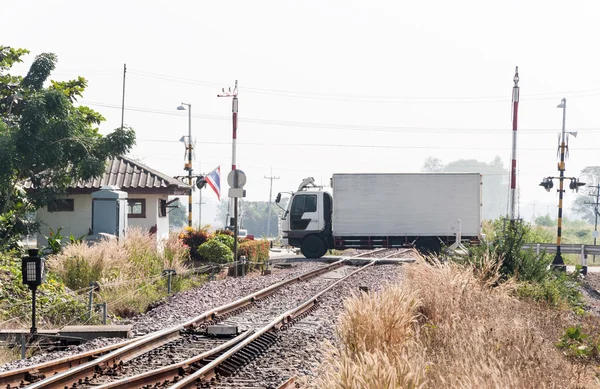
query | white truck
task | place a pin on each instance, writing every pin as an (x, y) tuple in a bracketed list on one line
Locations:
[(422, 210)]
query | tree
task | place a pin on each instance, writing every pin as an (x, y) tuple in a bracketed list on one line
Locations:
[(254, 215), (45, 138), (432, 165), (495, 180), (178, 216), (591, 176)]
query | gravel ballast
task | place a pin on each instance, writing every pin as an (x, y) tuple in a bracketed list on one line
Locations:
[(182, 307)]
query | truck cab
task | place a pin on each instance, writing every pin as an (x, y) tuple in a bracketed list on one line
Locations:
[(306, 223)]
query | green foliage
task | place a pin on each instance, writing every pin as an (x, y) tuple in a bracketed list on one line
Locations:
[(194, 239), (254, 216), (55, 242), (215, 251), (56, 306), (545, 221), (44, 138), (580, 348), (227, 240), (557, 290), (18, 221), (255, 250), (537, 280), (505, 242)]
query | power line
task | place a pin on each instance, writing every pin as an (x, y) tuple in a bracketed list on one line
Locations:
[(404, 147), (337, 126), (379, 99)]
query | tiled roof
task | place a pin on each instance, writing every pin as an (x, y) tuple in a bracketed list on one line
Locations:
[(128, 174)]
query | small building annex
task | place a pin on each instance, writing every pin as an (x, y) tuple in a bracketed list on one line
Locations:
[(147, 196)]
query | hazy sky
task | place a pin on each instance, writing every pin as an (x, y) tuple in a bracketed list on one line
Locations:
[(399, 80)]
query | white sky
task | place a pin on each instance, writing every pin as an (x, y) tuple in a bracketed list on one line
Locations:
[(445, 68)]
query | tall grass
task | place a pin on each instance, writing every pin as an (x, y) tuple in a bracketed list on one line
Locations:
[(450, 326), (129, 270)]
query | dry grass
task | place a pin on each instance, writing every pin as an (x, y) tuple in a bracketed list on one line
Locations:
[(129, 270), (8, 354), (137, 256), (445, 326)]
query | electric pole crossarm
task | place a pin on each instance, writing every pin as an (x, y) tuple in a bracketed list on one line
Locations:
[(271, 178)]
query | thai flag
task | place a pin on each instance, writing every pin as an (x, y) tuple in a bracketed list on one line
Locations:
[(214, 180)]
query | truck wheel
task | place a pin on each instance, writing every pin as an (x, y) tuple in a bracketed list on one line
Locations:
[(313, 246)]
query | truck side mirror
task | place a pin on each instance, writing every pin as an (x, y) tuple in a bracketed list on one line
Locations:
[(278, 198)]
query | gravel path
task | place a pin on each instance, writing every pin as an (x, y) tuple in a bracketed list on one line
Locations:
[(182, 307), (299, 351)]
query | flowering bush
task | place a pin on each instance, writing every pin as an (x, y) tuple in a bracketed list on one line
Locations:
[(254, 250), (194, 239)]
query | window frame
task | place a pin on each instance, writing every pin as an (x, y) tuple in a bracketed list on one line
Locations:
[(130, 203), (62, 205)]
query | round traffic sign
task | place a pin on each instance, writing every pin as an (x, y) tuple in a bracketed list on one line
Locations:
[(236, 178)]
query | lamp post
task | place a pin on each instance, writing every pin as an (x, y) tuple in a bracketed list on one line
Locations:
[(188, 165), (32, 267), (558, 262)]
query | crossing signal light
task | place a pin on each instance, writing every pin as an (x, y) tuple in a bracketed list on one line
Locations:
[(575, 184), (200, 182), (547, 184)]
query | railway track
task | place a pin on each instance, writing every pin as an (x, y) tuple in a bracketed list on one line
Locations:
[(80, 369), (215, 368)]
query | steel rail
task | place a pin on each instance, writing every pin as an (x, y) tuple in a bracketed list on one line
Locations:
[(287, 384), (171, 372), (283, 321), (16, 377), (156, 339)]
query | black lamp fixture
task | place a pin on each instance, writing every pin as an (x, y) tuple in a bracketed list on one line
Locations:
[(32, 267)]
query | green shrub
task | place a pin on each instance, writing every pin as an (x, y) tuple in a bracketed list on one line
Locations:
[(558, 290), (254, 250), (215, 251), (505, 242), (227, 240)]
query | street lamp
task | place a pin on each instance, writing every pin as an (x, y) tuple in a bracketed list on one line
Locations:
[(547, 183), (32, 267), (188, 166)]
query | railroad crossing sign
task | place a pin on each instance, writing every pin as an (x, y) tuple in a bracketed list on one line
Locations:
[(236, 180)]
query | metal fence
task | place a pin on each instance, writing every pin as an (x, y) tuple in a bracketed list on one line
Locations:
[(583, 250)]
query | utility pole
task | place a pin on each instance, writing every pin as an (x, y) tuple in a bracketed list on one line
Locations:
[(513, 168), (188, 165), (234, 111), (596, 213), (123, 102), (271, 178)]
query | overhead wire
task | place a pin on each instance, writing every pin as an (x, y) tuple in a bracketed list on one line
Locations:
[(333, 126), (375, 98)]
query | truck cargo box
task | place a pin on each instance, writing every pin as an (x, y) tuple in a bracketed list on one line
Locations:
[(406, 204)]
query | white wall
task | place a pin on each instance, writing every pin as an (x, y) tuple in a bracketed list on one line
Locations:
[(152, 207), (79, 221)]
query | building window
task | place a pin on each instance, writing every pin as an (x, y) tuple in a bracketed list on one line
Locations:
[(62, 205), (162, 208), (136, 208)]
